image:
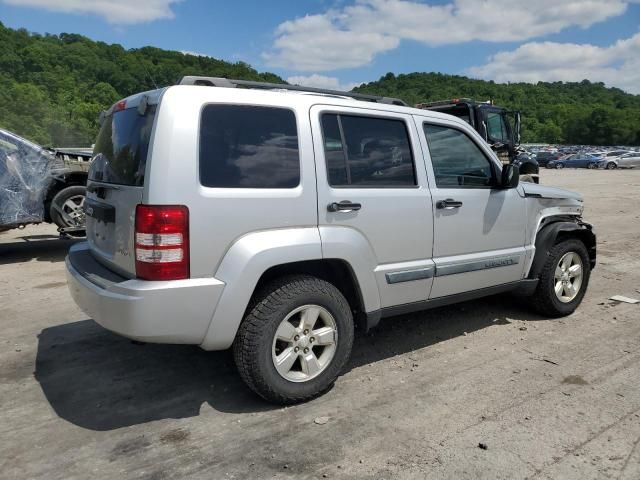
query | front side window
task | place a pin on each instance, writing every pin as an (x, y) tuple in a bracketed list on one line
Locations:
[(367, 151), (457, 161), (496, 127), (248, 147)]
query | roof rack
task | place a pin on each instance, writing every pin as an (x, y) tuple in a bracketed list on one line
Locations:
[(453, 101), (229, 83)]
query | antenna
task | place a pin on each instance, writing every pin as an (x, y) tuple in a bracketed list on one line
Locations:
[(148, 74)]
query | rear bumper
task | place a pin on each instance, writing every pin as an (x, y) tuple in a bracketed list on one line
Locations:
[(177, 311)]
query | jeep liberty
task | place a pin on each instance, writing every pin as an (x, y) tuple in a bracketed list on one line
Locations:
[(276, 220)]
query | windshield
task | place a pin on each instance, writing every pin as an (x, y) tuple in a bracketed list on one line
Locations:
[(120, 153)]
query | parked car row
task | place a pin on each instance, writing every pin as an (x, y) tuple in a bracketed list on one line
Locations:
[(586, 157)]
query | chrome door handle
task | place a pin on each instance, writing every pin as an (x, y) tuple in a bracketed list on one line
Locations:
[(448, 204), (343, 206)]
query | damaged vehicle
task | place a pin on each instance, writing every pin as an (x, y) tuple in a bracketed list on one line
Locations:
[(38, 185), (279, 221)]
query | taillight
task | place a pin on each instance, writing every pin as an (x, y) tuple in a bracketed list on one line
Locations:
[(121, 105), (162, 242)]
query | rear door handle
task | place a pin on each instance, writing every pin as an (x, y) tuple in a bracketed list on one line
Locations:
[(448, 204), (343, 206)]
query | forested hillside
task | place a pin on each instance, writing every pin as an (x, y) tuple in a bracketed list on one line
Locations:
[(575, 113), (53, 87)]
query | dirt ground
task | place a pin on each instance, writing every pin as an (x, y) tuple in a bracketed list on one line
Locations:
[(548, 399)]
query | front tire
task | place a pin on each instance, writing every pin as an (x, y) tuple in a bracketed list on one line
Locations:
[(591, 166), (611, 166), (563, 280), (559, 165), (295, 339)]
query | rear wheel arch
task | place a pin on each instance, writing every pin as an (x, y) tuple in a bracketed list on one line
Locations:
[(281, 251), (338, 272)]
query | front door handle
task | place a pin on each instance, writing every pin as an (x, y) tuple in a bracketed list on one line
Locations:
[(343, 206), (448, 204)]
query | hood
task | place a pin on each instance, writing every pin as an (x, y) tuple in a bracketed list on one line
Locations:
[(542, 191)]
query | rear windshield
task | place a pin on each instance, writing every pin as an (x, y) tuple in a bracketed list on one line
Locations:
[(120, 153)]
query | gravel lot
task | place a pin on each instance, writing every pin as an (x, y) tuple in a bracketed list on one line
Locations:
[(548, 398)]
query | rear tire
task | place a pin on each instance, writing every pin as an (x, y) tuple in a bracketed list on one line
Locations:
[(611, 166), (545, 299), (275, 318), (66, 208)]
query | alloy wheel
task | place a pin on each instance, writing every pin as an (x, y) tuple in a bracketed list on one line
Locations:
[(568, 277), (73, 210), (304, 343)]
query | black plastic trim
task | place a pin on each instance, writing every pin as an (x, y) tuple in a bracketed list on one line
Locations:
[(409, 275), (87, 266), (100, 211), (548, 235), (475, 265), (525, 286)]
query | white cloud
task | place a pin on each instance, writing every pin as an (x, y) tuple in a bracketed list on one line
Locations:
[(195, 54), (123, 12), (321, 81), (315, 42), (617, 65), (353, 35)]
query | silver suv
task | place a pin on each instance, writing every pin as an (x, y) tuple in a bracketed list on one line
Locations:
[(224, 213)]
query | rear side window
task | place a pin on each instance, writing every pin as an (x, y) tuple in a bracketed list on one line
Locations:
[(457, 161), (248, 147), (120, 152), (367, 151)]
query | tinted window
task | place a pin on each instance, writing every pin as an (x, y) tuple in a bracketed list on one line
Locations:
[(120, 152), (248, 147), (457, 161), (375, 153)]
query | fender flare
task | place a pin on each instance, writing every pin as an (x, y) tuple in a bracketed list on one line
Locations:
[(548, 235), (251, 256)]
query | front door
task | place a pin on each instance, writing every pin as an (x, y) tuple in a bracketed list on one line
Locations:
[(479, 229), (374, 204)]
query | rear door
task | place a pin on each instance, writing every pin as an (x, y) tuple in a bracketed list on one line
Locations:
[(372, 189), (116, 182), (479, 230)]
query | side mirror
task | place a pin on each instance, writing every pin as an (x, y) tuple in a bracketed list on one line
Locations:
[(510, 176)]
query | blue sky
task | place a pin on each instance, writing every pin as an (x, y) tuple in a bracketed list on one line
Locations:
[(341, 43)]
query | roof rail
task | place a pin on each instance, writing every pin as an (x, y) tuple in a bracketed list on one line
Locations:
[(453, 101), (229, 83)]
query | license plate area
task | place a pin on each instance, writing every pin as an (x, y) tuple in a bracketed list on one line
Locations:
[(100, 212)]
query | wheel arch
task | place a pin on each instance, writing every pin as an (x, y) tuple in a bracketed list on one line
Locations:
[(58, 184), (336, 271), (557, 231), (256, 258)]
